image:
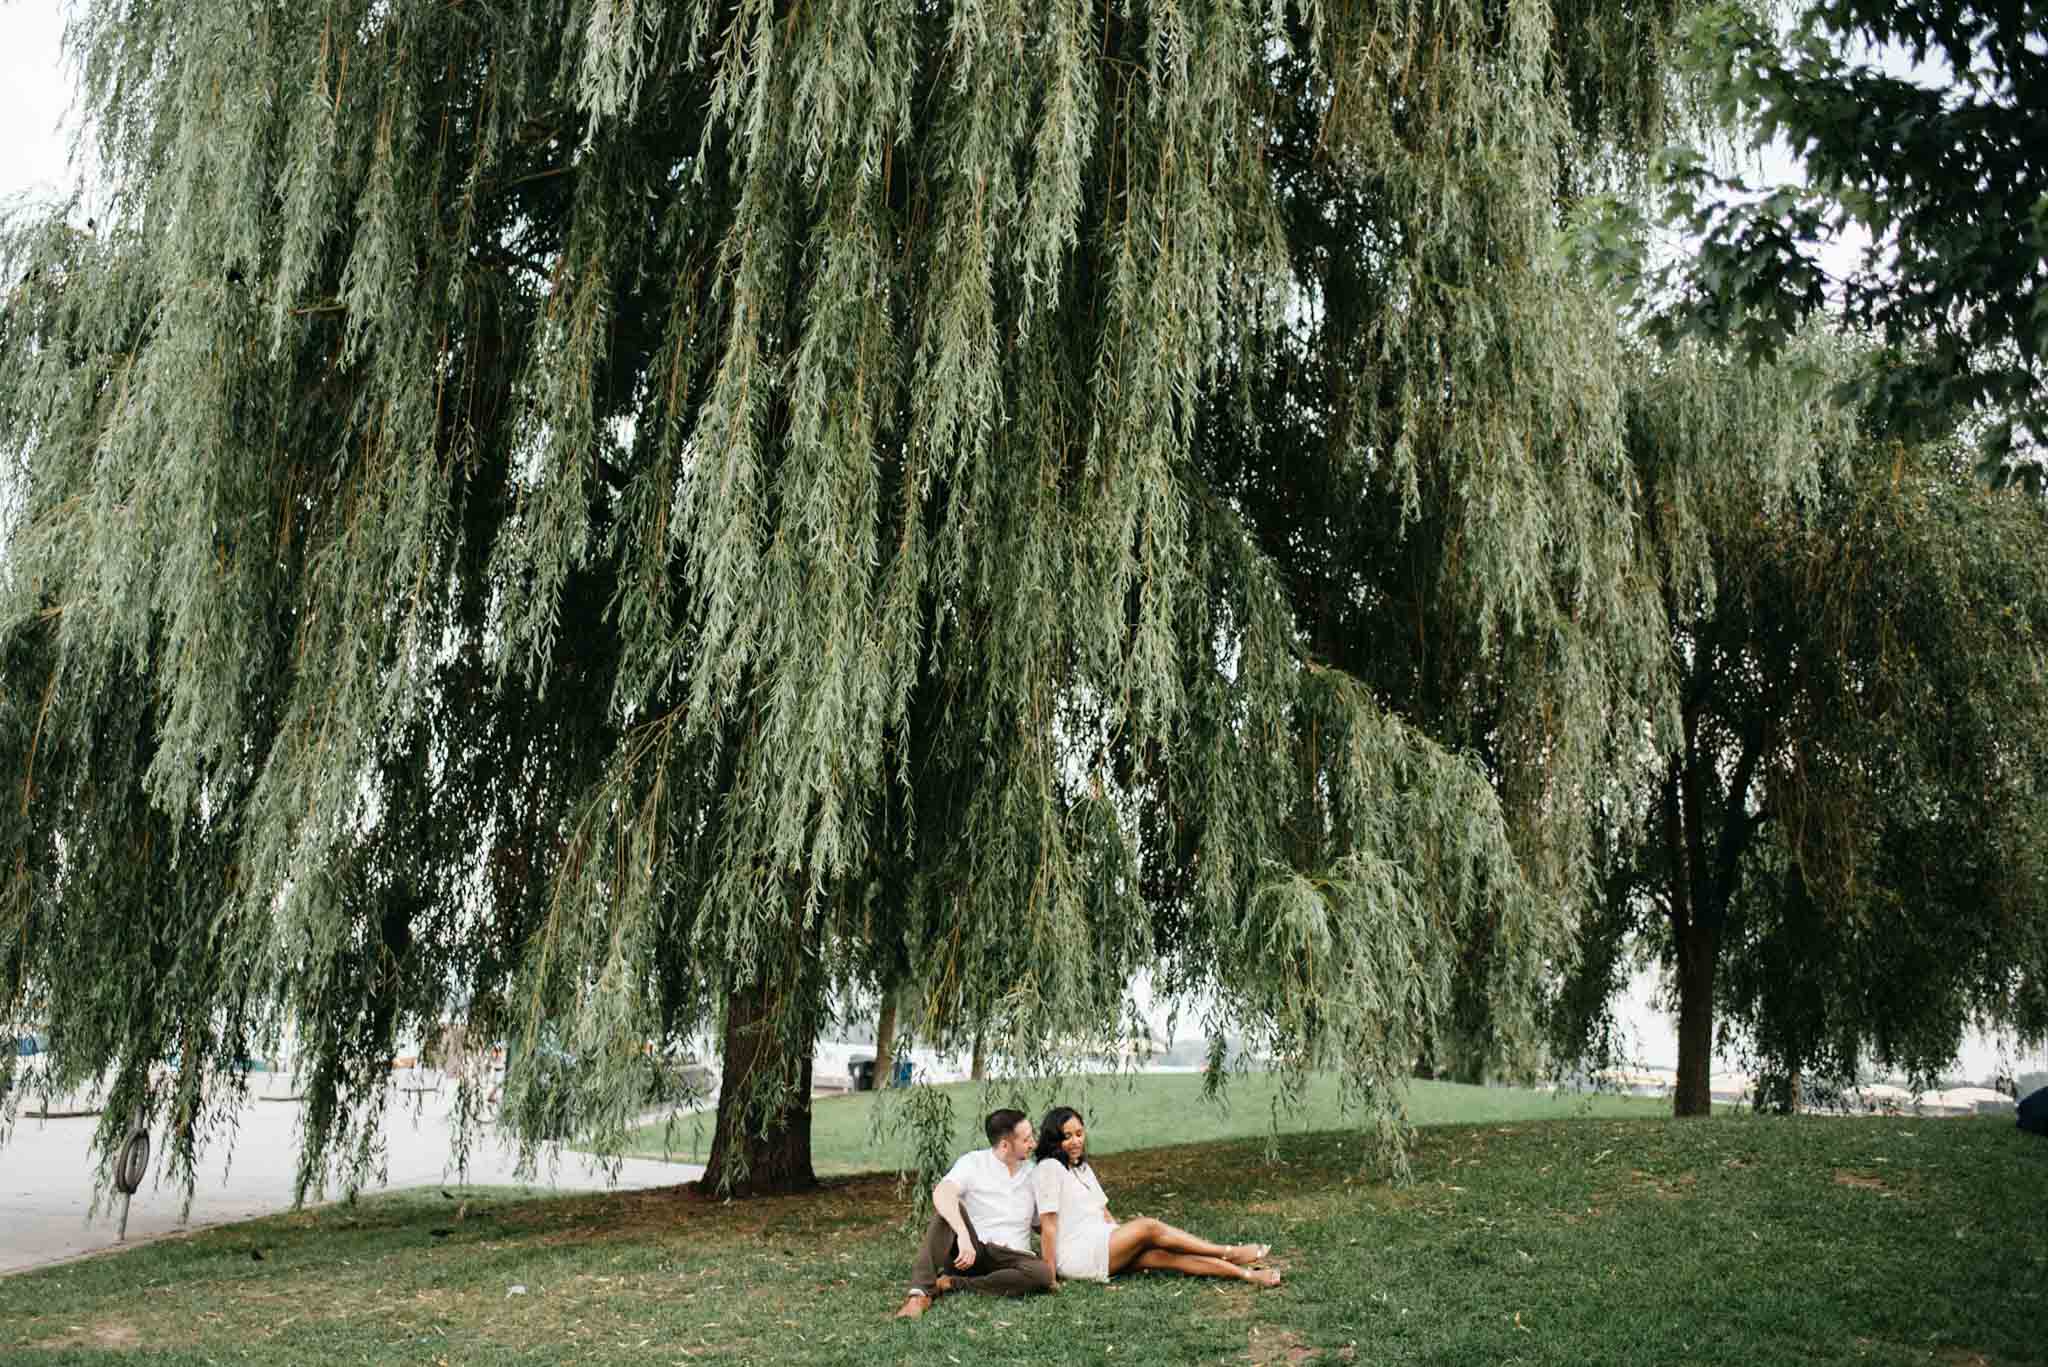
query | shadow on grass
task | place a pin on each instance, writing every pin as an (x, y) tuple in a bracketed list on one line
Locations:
[(1729, 1240)]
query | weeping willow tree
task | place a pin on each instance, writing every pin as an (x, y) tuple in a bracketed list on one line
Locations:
[(610, 521)]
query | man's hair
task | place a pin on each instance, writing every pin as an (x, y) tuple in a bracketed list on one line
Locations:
[(1001, 1124)]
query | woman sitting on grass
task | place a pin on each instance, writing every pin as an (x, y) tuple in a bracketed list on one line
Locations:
[(1083, 1242)]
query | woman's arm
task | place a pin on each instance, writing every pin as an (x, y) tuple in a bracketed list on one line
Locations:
[(1048, 1240)]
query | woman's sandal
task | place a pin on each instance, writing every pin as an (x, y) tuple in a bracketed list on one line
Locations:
[(1255, 1253), (1264, 1276)]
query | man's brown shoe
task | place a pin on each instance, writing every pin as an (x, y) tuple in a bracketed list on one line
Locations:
[(913, 1306), (944, 1284)]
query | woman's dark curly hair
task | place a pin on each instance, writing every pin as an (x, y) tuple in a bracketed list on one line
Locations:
[(1049, 1135)]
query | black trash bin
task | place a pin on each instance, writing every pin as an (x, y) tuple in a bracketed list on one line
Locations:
[(862, 1070), (2033, 1112)]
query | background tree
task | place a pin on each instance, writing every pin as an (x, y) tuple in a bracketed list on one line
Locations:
[(617, 520), (1837, 858), (1943, 168)]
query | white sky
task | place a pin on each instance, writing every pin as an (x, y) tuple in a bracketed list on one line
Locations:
[(35, 100), (35, 93)]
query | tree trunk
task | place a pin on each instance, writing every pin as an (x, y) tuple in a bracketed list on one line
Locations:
[(1778, 1092), (767, 1131), (979, 1072), (885, 1041), (1698, 951), (1470, 1070)]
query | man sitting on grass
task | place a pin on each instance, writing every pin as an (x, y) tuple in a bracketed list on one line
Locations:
[(982, 1212)]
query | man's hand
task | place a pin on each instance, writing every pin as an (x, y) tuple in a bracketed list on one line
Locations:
[(946, 1201)]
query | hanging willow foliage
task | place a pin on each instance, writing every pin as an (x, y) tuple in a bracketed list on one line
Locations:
[(567, 514)]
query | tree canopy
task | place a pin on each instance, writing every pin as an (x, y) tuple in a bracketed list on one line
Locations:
[(1924, 126), (608, 520), (1837, 861)]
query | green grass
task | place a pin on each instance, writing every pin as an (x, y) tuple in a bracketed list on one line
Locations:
[(1734, 1240), (1135, 1111)]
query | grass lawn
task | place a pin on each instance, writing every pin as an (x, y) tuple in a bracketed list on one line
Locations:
[(1136, 1111), (1730, 1240)]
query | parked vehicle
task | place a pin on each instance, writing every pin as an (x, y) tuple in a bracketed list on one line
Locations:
[(861, 1069)]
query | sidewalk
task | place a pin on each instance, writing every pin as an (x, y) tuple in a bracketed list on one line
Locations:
[(46, 1177)]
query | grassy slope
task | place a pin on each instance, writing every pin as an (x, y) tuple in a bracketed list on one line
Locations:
[(1134, 1112), (1732, 1240)]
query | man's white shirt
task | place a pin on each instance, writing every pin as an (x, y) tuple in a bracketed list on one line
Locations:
[(1001, 1206)]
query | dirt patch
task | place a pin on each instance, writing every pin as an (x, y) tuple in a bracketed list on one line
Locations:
[(1270, 1346), (111, 1334), (1613, 1199), (1400, 1198), (1866, 1181), (1666, 1188)]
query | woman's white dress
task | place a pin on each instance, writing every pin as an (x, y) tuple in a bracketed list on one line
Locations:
[(1081, 1240)]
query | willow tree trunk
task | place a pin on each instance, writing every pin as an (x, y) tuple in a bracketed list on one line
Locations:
[(763, 1120), (1698, 951), (885, 1041), (979, 1070)]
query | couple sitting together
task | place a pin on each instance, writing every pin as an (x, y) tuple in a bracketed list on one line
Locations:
[(983, 1212)]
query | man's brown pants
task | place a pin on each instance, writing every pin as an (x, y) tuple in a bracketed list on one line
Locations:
[(997, 1271)]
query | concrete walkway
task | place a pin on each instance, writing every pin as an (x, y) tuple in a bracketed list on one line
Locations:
[(46, 1178)]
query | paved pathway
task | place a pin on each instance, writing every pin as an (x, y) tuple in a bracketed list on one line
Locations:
[(46, 1179)]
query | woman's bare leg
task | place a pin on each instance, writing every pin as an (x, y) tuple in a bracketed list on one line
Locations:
[(1195, 1265), (1133, 1237)]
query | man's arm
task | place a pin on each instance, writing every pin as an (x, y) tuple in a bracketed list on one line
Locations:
[(946, 1201)]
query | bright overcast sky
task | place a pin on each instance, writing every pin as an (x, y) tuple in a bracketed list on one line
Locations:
[(35, 100), (35, 93)]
